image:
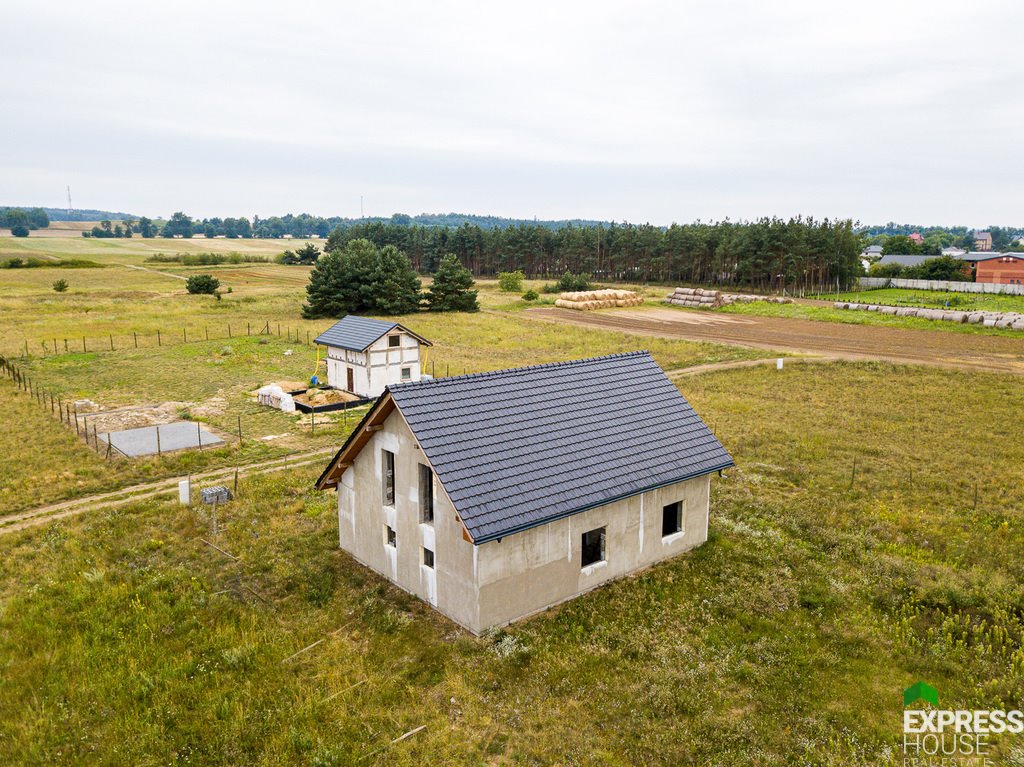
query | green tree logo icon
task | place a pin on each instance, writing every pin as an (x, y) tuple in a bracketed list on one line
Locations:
[(920, 691)]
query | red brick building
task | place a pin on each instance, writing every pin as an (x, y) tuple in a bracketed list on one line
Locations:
[(1005, 269)]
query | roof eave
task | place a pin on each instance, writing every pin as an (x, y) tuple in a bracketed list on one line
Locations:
[(588, 507), (356, 440)]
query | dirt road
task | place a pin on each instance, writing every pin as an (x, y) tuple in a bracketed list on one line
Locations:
[(972, 351), (43, 514)]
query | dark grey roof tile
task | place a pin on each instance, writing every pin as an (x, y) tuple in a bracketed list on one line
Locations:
[(518, 448)]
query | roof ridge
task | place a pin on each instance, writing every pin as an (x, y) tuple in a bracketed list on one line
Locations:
[(515, 371)]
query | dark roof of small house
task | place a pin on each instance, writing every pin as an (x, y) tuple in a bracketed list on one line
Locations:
[(517, 448), (903, 260), (983, 235), (358, 333), (914, 260)]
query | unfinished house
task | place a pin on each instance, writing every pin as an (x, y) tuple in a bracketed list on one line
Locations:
[(365, 355), (496, 495)]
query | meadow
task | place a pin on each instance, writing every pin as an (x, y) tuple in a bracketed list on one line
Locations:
[(827, 313), (823, 590), (141, 340), (937, 299)]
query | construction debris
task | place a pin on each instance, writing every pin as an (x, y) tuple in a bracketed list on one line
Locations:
[(1013, 320), (701, 298), (598, 299), (276, 397)]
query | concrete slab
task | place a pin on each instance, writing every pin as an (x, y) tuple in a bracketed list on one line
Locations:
[(180, 435)]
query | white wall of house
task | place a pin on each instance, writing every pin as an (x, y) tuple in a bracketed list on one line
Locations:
[(379, 366), (500, 581)]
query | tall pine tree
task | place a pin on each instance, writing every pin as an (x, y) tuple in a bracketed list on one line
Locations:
[(452, 288)]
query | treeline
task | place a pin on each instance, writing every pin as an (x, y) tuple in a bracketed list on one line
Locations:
[(20, 220), (895, 238), (770, 253), (938, 268), (304, 225)]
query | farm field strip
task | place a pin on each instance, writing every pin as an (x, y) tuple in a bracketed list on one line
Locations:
[(855, 342)]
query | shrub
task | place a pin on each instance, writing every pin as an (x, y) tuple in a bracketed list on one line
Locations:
[(511, 282), (202, 284), (19, 230), (570, 282), (530, 295), (885, 270), (60, 286)]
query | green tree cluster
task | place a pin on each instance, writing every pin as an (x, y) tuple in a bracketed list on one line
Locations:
[(362, 278), (29, 218), (202, 284), (306, 255)]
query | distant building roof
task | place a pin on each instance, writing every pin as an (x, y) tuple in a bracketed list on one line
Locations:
[(916, 237), (358, 333), (515, 449), (983, 235), (904, 260), (872, 250), (951, 251)]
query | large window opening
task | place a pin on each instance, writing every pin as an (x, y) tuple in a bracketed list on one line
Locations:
[(388, 462), (394, 341), (593, 547), (426, 495), (428, 558), (672, 519), (390, 538)]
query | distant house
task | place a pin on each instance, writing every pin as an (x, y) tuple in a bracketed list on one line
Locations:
[(1001, 268), (365, 355), (903, 260), (493, 496), (983, 241), (872, 250), (916, 238)]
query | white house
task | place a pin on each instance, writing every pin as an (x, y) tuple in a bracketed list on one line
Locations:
[(365, 355), (492, 496)]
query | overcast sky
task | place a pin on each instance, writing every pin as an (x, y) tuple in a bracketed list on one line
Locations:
[(638, 111)]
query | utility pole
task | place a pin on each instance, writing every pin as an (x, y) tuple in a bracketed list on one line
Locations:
[(361, 214), (70, 207)]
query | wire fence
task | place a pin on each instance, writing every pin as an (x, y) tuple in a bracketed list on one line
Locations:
[(56, 345), (84, 423)]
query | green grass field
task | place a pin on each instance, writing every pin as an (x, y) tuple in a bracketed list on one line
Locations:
[(870, 537), (936, 299), (786, 639), (819, 313)]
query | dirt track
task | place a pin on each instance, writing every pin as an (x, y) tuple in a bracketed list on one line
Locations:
[(858, 342)]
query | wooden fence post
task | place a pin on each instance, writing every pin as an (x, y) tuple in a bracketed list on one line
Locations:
[(158, 441), (158, 343), (136, 337)]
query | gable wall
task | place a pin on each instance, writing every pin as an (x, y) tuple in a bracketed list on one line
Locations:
[(377, 367), (451, 586)]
